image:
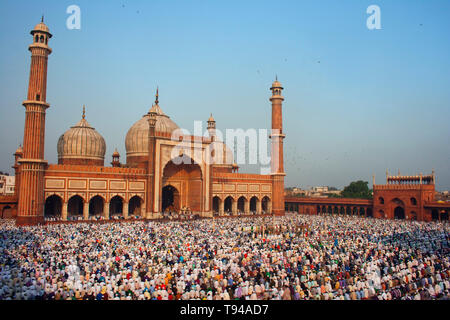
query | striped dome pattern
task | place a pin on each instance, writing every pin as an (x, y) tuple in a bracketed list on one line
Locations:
[(136, 141), (81, 142)]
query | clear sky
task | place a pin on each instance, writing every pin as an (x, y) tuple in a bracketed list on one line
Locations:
[(358, 101)]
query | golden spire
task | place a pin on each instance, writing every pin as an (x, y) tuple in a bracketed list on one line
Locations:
[(84, 112)]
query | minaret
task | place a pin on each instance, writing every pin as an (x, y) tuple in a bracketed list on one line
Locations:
[(212, 127), (32, 164), (277, 136), (151, 159), (115, 159)]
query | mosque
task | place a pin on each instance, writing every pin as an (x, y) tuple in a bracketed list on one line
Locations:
[(154, 178), (167, 171)]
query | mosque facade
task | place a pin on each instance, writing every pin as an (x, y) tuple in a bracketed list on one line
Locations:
[(166, 171), (161, 173)]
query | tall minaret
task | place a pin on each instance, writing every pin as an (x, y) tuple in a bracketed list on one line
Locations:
[(32, 164), (277, 136), (151, 159)]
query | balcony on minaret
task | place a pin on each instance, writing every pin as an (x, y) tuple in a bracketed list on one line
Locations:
[(41, 34)]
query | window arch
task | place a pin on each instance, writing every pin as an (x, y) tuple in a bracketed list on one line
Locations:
[(413, 201), (381, 200)]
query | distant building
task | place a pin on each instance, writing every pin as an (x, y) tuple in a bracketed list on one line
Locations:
[(320, 189), (7, 184)]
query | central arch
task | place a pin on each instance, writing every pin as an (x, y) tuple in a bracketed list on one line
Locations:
[(170, 199), (185, 176)]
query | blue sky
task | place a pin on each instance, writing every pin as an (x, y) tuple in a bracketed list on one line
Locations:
[(377, 100)]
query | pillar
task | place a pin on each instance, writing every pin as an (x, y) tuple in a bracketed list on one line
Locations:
[(106, 210), (64, 211), (258, 206), (125, 210), (221, 207), (247, 207), (234, 207), (86, 210)]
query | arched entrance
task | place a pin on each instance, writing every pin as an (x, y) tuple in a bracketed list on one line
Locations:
[(170, 199), (241, 204), (116, 207), (53, 207), (399, 213), (75, 207), (96, 205), (265, 205), (444, 215), (228, 205), (183, 174), (434, 215), (6, 212), (362, 212), (216, 205), (134, 207), (253, 204)]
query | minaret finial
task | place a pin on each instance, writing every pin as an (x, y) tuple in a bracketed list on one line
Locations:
[(42, 19), (84, 111), (276, 77), (157, 95)]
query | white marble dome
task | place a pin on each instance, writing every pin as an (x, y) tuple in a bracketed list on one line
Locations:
[(136, 141), (81, 142)]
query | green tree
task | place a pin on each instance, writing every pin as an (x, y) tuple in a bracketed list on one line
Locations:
[(357, 189)]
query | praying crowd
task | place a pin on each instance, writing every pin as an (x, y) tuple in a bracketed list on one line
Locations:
[(295, 257)]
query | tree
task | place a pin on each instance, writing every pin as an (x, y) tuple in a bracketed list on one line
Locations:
[(357, 189)]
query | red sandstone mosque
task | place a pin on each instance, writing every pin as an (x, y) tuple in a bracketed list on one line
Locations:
[(152, 180)]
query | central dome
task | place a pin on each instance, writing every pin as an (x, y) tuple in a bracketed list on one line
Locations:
[(136, 141)]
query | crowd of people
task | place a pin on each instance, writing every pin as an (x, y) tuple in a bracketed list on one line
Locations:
[(295, 257)]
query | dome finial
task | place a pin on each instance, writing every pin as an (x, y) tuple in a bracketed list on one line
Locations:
[(42, 19), (157, 95), (84, 112)]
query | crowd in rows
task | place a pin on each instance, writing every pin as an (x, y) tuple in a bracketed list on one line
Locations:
[(295, 257)]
